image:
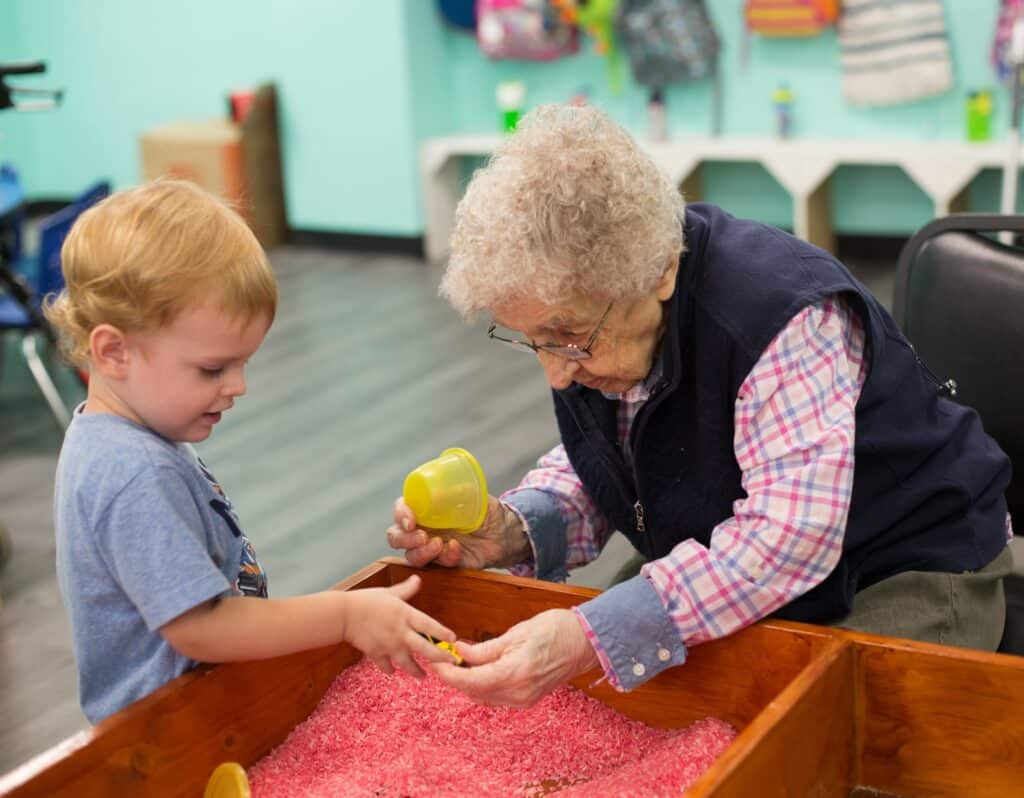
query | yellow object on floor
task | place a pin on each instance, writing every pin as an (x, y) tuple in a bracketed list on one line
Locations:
[(228, 781)]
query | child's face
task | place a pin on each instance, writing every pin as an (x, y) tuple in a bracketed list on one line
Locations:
[(182, 377)]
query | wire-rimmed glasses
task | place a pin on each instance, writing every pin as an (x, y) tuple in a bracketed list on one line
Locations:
[(568, 351)]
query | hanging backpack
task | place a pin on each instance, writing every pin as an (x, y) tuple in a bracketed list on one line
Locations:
[(789, 17), (460, 14), (670, 41), (526, 30)]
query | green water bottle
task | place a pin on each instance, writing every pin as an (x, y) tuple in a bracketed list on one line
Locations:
[(979, 115), (510, 96)]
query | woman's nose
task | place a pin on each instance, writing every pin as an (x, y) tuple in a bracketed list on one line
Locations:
[(558, 370)]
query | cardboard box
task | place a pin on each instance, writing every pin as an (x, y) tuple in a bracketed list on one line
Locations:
[(239, 162), (820, 711), (208, 153)]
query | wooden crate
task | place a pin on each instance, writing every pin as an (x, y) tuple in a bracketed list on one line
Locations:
[(820, 711)]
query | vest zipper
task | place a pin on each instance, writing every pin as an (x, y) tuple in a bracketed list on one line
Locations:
[(948, 388), (638, 424), (639, 509)]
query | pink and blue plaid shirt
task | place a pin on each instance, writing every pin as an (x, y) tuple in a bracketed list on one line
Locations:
[(794, 428)]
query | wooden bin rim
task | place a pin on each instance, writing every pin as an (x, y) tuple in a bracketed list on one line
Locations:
[(831, 651)]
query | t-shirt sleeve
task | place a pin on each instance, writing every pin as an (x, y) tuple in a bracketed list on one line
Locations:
[(153, 540)]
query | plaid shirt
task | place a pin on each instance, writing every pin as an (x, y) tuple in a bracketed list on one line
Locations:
[(794, 428)]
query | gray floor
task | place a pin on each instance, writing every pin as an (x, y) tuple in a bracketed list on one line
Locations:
[(365, 374)]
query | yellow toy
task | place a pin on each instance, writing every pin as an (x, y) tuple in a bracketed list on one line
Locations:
[(449, 647), (228, 781)]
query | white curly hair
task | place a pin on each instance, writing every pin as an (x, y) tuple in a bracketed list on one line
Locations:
[(568, 206)]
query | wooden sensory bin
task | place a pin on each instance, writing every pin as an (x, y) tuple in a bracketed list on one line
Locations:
[(820, 712)]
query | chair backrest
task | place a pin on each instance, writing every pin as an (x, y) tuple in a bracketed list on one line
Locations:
[(96, 192), (12, 213), (959, 298), (52, 232)]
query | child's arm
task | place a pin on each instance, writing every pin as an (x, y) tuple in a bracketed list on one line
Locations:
[(378, 621)]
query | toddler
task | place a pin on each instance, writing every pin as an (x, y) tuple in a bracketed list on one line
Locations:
[(168, 294)]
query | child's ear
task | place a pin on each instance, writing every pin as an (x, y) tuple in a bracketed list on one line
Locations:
[(108, 349)]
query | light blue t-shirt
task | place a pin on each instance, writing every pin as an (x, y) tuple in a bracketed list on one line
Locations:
[(144, 534)]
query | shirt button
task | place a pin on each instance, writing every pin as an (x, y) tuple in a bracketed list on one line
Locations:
[(639, 669), (664, 654)]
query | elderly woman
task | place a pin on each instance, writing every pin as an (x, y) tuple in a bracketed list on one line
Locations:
[(729, 398)]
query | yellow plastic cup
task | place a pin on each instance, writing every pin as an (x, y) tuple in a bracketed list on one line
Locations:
[(228, 781), (448, 492)]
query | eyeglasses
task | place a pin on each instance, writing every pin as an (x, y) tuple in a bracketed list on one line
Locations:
[(568, 351)]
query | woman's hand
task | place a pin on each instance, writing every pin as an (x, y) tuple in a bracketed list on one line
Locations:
[(500, 541), (526, 663), (380, 624)]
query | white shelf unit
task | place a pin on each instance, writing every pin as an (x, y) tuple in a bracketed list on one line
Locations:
[(942, 169)]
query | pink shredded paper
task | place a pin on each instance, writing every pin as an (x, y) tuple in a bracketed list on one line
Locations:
[(396, 737)]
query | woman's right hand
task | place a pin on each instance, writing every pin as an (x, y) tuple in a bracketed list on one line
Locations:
[(500, 541)]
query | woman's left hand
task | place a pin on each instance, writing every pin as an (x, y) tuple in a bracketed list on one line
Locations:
[(526, 663)]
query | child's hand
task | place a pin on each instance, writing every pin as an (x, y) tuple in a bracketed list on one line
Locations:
[(380, 624)]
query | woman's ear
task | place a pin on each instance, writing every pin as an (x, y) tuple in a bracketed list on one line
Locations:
[(108, 351), (667, 284)]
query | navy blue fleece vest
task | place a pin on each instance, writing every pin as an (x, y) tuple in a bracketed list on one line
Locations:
[(928, 482)]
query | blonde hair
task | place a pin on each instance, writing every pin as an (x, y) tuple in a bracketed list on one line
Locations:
[(568, 206), (140, 257)]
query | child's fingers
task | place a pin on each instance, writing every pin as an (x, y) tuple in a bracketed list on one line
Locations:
[(407, 588), (407, 664), (424, 624), (383, 664), (433, 649)]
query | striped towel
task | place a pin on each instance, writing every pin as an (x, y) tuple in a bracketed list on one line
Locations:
[(893, 51)]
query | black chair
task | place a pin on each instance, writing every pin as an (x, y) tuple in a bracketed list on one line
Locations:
[(959, 298)]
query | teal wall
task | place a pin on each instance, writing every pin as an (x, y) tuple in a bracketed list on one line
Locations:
[(127, 65), (363, 82)]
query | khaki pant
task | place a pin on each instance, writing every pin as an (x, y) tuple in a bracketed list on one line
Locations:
[(967, 609)]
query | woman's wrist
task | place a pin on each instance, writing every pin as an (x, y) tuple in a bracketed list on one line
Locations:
[(516, 543)]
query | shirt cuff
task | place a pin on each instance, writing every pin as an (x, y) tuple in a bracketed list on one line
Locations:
[(634, 637), (545, 528)]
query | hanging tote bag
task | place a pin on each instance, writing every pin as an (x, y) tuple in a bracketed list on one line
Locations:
[(525, 30), (893, 52)]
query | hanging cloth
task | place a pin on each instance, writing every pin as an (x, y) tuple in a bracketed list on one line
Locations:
[(893, 51), (1008, 12)]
